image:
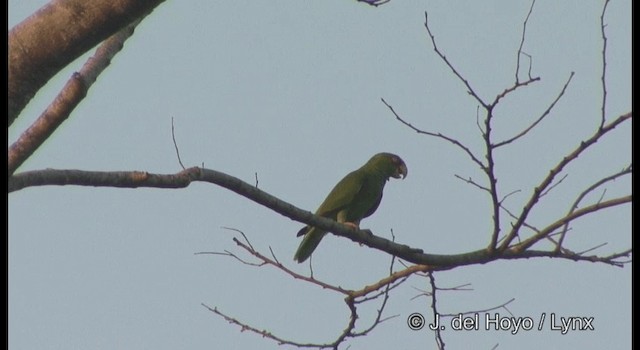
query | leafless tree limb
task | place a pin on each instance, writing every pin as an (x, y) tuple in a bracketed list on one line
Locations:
[(352, 299), (182, 179), (434, 307), (604, 65), (266, 334), (581, 196), (535, 196), (544, 114), (470, 89), (470, 181), (58, 33), (552, 186), (524, 33), (175, 145), (493, 308), (436, 134), (69, 97), (567, 219), (374, 3)]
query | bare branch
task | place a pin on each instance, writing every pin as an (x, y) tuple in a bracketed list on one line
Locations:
[(69, 97), (604, 65), (435, 134), (470, 181), (551, 187), (493, 181), (592, 249), (245, 327), (508, 195), (524, 32), (438, 335), (501, 306), (581, 196), (57, 34), (175, 145), (511, 89), (459, 288), (352, 297), (230, 254), (390, 279), (379, 319), (470, 90), (613, 259), (184, 178), (568, 218), (544, 114), (535, 196), (530, 63), (374, 3), (246, 239)]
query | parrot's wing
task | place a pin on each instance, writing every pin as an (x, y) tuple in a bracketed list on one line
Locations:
[(343, 194)]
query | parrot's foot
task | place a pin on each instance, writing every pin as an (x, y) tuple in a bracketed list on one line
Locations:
[(352, 225)]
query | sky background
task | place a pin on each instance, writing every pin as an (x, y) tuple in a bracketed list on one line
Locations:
[(291, 90)]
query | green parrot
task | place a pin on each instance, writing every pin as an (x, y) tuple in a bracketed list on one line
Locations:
[(355, 197)]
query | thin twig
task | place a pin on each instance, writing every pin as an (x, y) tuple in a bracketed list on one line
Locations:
[(501, 306), (551, 187), (604, 65), (535, 196), (352, 297), (530, 63), (374, 3), (544, 114), (435, 134), (470, 90), (471, 182), (175, 144), (625, 171), (524, 31), (509, 195), (567, 219), (438, 335), (266, 334), (246, 239), (592, 249)]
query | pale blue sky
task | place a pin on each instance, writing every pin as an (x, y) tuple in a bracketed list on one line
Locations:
[(291, 90)]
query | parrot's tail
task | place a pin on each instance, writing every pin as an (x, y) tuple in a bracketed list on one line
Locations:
[(308, 245)]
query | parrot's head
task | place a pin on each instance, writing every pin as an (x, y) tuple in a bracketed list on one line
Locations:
[(390, 164)]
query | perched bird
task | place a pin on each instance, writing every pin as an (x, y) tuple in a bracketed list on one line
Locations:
[(355, 197)]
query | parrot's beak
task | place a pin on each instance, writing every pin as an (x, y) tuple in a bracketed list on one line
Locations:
[(401, 171)]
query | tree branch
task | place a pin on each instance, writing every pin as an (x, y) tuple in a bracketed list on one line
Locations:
[(524, 32), (535, 196), (437, 135), (568, 218), (544, 114), (69, 97), (470, 90), (625, 171), (58, 33), (352, 299), (604, 65), (182, 179)]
